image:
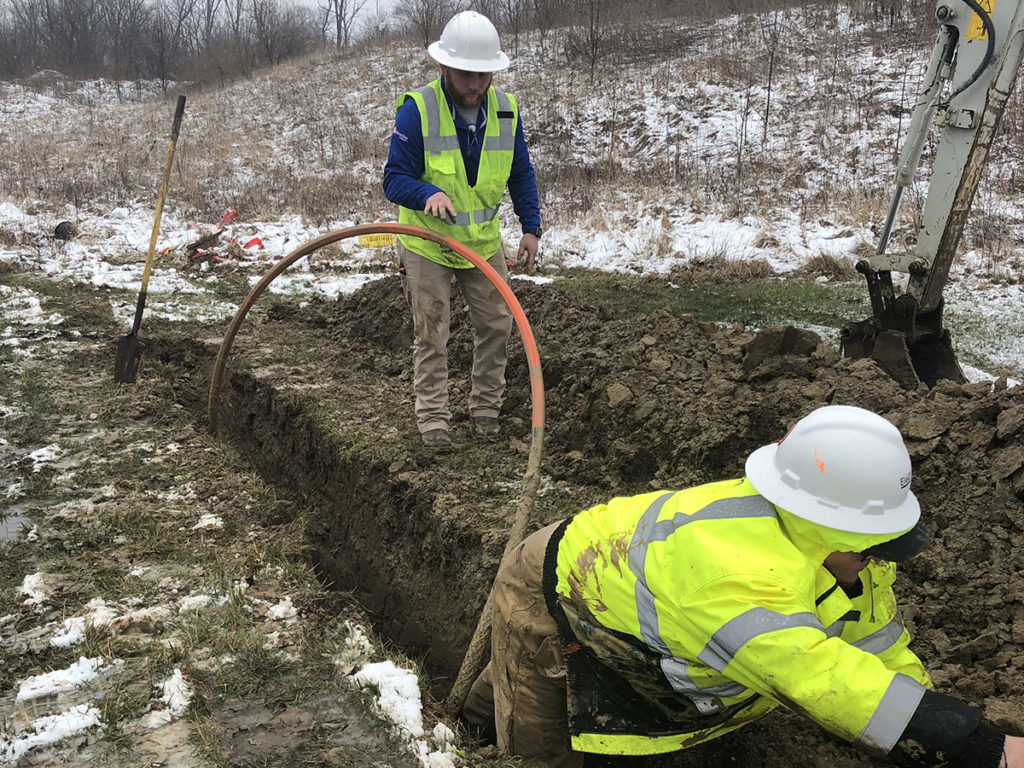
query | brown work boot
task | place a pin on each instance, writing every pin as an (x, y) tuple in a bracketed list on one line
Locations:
[(486, 427), (437, 440)]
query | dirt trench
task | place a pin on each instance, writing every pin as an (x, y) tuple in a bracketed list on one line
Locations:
[(319, 398)]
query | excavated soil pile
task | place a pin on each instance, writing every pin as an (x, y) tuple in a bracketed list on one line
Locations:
[(320, 399)]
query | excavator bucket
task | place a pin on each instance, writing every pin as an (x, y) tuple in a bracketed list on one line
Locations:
[(933, 359), (926, 361), (966, 87)]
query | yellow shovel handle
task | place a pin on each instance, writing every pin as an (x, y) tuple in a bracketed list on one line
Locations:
[(175, 128)]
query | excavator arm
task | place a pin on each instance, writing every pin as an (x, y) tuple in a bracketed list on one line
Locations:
[(966, 86)]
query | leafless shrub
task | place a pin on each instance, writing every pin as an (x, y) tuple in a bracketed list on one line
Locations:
[(719, 270), (7, 238), (424, 18), (307, 139), (835, 268)]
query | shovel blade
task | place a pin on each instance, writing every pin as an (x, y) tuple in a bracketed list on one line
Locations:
[(126, 364)]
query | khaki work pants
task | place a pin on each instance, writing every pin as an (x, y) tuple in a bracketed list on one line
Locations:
[(523, 686), (427, 287)]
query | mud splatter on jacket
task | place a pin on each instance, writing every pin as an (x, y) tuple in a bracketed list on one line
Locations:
[(689, 614)]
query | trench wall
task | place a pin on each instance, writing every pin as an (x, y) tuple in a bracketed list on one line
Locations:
[(423, 577)]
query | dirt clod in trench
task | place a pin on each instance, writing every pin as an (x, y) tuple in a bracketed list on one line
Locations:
[(320, 399)]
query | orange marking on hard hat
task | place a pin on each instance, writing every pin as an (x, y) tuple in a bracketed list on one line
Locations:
[(819, 461)]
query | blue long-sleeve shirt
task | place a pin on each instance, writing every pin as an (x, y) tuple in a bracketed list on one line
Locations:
[(405, 165)]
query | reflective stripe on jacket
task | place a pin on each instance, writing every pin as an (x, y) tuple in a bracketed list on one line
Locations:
[(476, 223), (725, 597)]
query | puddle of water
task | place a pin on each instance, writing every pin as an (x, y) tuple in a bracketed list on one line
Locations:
[(11, 523)]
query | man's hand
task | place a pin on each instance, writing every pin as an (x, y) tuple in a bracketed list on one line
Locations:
[(528, 245), (440, 207), (1013, 752)]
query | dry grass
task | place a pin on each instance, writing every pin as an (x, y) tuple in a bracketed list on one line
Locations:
[(718, 269), (835, 268), (676, 113)]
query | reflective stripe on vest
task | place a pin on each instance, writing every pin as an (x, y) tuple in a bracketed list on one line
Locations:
[(882, 640), (616, 557), (893, 713), (435, 143), (705, 698), (476, 222), (722, 647), (719, 652)]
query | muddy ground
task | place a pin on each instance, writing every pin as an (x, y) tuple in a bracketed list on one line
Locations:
[(317, 403)]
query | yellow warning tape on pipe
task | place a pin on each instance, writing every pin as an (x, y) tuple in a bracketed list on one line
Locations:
[(380, 240)]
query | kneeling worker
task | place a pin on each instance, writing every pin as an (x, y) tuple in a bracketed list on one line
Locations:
[(657, 622)]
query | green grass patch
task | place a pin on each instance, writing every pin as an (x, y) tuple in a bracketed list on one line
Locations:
[(990, 342), (755, 302), (120, 703), (229, 287), (40, 409)]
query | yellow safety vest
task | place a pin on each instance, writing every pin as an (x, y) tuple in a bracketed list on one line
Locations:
[(476, 223), (723, 597)]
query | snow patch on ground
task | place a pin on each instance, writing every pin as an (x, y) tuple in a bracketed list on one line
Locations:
[(49, 730), (72, 630), (399, 700), (60, 680)]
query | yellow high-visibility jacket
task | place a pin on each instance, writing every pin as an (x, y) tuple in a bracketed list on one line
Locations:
[(476, 223), (686, 615)]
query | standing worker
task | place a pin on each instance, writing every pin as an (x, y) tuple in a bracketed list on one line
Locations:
[(657, 622), (457, 144)]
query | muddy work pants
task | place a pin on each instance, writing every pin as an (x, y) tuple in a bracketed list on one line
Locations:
[(523, 686), (427, 287)]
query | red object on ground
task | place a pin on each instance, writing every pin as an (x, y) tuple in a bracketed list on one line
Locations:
[(228, 218), (254, 243)]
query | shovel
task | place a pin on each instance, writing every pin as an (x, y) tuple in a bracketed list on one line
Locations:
[(129, 348)]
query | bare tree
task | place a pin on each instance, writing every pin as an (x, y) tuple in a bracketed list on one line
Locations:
[(155, 38), (512, 13), (26, 36), (592, 34), (343, 13), (71, 34), (180, 18), (377, 24), (489, 8), (771, 32), (237, 18), (126, 24), (266, 28), (207, 21), (424, 18), (165, 47), (544, 14), (279, 32)]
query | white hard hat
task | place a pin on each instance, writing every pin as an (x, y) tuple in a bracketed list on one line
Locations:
[(842, 467), (470, 43)]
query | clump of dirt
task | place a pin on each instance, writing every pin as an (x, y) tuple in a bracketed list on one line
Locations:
[(320, 399)]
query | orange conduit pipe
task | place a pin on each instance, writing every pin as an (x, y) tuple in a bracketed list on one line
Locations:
[(478, 651)]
